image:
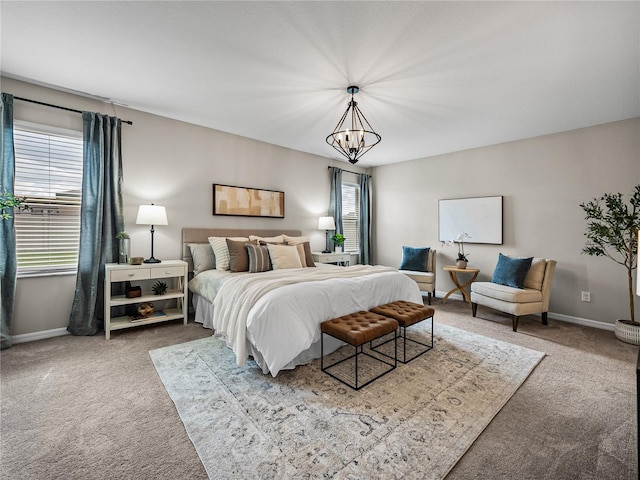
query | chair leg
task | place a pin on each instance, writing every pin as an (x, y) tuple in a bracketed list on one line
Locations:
[(545, 320), (429, 297), (474, 309), (514, 319)]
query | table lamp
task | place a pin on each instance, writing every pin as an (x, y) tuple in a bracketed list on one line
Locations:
[(151, 215), (326, 224)]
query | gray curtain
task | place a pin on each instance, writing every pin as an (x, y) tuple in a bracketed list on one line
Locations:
[(8, 264), (335, 200), (366, 252), (101, 218)]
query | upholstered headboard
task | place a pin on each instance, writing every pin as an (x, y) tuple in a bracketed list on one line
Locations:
[(201, 235)]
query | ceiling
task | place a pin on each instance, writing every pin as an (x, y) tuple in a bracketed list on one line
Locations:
[(434, 77)]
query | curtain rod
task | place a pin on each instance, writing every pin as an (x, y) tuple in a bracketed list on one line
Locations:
[(61, 108), (349, 171)]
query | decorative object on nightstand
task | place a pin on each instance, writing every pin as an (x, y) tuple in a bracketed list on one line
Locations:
[(131, 291), (612, 231), (338, 239), (151, 215), (326, 224), (124, 247), (159, 288)]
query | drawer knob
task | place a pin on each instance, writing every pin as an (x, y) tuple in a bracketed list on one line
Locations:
[(132, 274), (167, 272)]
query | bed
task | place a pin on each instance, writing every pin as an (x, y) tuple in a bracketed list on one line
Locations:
[(274, 316)]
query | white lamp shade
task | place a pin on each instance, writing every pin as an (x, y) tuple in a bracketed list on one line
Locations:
[(326, 223), (151, 215)]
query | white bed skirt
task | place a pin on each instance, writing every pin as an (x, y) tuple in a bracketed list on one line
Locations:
[(204, 315)]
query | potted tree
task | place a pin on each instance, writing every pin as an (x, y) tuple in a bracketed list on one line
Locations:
[(612, 231)]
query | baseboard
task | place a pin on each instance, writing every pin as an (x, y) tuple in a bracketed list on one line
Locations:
[(58, 332), (558, 316), (32, 337)]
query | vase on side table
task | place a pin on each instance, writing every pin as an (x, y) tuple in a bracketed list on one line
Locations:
[(461, 263)]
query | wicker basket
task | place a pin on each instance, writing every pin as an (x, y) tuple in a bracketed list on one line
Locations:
[(627, 333)]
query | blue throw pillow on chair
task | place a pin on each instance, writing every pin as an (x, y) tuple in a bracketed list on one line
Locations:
[(511, 271), (414, 259)]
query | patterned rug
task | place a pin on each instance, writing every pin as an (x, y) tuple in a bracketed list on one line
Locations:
[(415, 422)]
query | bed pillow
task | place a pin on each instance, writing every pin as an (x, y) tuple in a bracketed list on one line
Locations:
[(307, 260), (221, 250), (295, 240), (202, 256), (284, 256), (238, 256), (259, 260), (511, 271), (414, 259), (276, 239)]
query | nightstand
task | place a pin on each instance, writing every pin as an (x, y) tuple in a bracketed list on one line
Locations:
[(122, 272), (341, 259)]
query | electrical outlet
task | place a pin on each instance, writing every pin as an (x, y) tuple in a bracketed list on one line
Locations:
[(586, 296)]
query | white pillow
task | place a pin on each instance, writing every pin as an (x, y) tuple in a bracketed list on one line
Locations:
[(295, 240), (284, 256), (276, 239), (221, 250), (202, 256)]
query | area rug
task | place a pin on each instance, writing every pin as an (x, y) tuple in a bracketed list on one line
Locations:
[(415, 422)]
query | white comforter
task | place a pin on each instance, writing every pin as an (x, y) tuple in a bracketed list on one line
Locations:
[(279, 312)]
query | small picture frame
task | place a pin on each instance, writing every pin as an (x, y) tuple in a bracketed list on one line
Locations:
[(247, 202)]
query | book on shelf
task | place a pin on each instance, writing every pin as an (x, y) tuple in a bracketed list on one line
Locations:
[(137, 317)]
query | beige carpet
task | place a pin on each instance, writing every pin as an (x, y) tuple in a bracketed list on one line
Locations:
[(415, 422), (82, 408)]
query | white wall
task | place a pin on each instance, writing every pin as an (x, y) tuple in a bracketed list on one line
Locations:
[(174, 164), (543, 181)]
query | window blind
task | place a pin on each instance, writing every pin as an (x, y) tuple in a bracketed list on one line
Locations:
[(48, 173), (351, 216)]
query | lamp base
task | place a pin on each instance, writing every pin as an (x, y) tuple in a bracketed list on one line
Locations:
[(326, 251), (152, 260)]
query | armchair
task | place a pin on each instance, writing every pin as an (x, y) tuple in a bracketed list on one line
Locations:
[(426, 280), (532, 298)]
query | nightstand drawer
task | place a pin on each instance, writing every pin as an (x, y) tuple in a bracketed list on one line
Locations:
[(128, 274), (166, 272)]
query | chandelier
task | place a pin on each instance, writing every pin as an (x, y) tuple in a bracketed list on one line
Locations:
[(353, 136)]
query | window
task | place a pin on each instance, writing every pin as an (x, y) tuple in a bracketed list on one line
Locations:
[(351, 216), (49, 174)]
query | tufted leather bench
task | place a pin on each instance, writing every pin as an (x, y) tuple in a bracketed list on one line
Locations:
[(406, 314), (357, 329)]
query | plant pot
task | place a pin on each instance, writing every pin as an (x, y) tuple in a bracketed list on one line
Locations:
[(461, 264), (338, 249), (627, 332)]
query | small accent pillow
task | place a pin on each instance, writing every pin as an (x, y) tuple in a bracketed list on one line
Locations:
[(221, 251), (414, 259), (284, 256), (511, 271), (308, 257), (238, 256), (202, 256), (259, 260)]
